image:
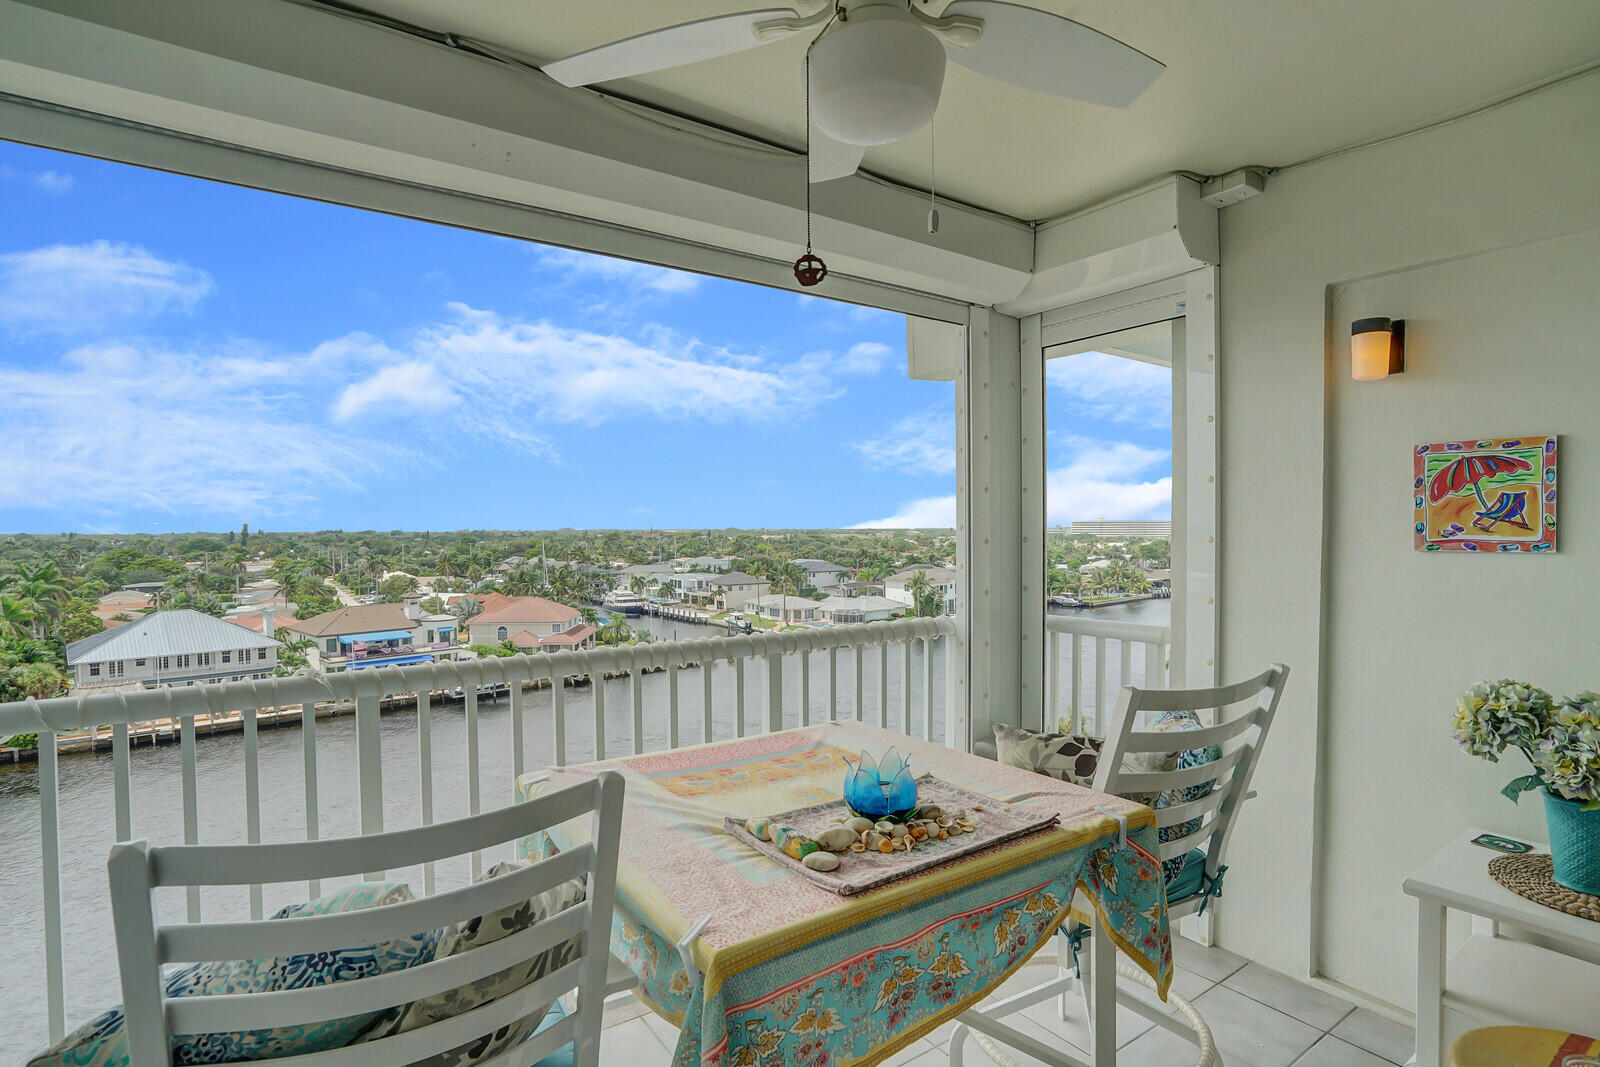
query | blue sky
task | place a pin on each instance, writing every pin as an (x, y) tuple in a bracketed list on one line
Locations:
[(182, 355)]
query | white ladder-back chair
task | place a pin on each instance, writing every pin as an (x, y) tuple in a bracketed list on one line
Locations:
[(1204, 824), (143, 945)]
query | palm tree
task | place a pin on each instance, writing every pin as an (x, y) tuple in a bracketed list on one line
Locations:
[(921, 591), (16, 616)]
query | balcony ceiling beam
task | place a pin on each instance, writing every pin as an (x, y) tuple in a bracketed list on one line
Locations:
[(298, 83)]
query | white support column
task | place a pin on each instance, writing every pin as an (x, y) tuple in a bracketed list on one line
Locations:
[(1000, 523), (1195, 459)]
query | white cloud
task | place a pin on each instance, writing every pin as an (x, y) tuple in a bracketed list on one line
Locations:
[(864, 357), (921, 444), (1101, 479), (397, 388), (938, 512), (626, 272), (77, 288), (53, 182), (115, 428), (1102, 386)]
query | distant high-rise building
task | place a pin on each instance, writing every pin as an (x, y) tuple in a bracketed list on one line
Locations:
[(1153, 528)]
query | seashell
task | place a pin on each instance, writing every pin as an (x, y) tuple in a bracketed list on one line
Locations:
[(954, 829), (968, 826), (822, 861), (944, 822), (858, 847), (858, 824), (884, 827), (977, 807), (943, 834), (919, 831), (886, 844), (900, 844), (872, 838), (836, 838), (899, 830)]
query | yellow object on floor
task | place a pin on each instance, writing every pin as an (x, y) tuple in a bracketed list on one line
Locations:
[(1523, 1046)]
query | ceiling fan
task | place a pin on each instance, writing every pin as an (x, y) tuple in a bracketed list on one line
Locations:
[(877, 66)]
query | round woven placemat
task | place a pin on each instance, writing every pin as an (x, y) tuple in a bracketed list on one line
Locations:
[(1529, 876)]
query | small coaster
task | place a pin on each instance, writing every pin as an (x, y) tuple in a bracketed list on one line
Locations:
[(1530, 876)]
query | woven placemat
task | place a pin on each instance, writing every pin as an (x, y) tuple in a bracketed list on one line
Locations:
[(1529, 876)]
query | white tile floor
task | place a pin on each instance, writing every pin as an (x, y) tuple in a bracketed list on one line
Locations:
[(1260, 1019)]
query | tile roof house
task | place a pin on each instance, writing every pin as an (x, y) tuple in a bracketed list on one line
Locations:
[(532, 616), (371, 635)]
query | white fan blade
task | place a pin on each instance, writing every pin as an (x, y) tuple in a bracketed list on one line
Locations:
[(1036, 50), (832, 159), (674, 46)]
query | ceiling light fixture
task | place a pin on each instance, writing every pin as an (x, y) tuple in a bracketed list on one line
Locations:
[(878, 74)]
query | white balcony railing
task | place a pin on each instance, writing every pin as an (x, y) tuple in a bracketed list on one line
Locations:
[(639, 699), (1081, 677)]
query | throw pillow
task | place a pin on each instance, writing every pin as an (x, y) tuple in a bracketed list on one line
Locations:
[(103, 1042), (1068, 757), (476, 933)]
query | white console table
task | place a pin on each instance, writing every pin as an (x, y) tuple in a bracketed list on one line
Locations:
[(1494, 979)]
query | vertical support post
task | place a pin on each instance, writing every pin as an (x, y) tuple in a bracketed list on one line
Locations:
[(252, 793), (860, 715), (425, 772), (636, 687), (308, 744), (705, 706), (474, 770), (191, 805), (1154, 676), (905, 683), (738, 696), (1077, 683), (123, 770), (1430, 983), (1195, 480), (597, 683), (518, 758), (369, 757), (883, 684), (50, 866), (1100, 688), (672, 705), (833, 684), (1000, 521), (1103, 975), (558, 715), (804, 718)]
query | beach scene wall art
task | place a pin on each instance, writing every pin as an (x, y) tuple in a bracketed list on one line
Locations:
[(1488, 495)]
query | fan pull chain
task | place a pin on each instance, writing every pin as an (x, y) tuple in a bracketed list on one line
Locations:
[(933, 206), (809, 269)]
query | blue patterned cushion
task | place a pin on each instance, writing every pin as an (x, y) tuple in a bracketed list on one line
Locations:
[(103, 1042), (1176, 722)]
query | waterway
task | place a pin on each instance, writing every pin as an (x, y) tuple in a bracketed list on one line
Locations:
[(88, 827)]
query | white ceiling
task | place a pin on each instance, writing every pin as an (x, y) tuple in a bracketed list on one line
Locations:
[(1248, 82)]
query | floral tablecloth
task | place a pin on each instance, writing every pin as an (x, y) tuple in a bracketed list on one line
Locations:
[(794, 974)]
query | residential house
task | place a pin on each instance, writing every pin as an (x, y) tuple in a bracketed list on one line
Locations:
[(532, 622), (694, 585), (940, 579), (736, 589), (378, 635), (174, 648), (715, 564), (783, 608), (847, 609), (821, 574)]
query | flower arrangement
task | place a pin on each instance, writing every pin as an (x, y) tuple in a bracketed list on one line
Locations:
[(1560, 738)]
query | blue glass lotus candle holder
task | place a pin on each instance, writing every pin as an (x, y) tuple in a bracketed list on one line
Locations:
[(881, 789)]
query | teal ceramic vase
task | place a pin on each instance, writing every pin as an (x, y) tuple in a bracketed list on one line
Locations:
[(1574, 844)]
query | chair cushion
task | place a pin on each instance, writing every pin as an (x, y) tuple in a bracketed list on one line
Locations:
[(1190, 878), (476, 933), (1067, 757), (566, 1055), (1073, 758), (103, 1042)]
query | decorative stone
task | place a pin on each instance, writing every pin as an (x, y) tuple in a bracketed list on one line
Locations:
[(836, 838), (760, 829), (930, 811), (872, 838), (858, 824), (899, 830), (822, 861)]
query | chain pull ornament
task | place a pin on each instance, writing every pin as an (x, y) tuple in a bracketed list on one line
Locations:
[(809, 269)]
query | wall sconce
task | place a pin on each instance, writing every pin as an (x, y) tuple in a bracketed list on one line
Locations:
[(1377, 348)]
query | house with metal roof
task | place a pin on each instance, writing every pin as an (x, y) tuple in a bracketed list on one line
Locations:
[(181, 647), (820, 573)]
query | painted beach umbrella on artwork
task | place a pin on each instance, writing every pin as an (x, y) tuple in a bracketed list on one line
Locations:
[(1467, 471)]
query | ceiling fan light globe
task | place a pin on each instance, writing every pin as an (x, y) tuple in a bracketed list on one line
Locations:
[(875, 78)]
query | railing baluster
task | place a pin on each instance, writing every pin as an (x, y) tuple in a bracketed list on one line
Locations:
[(1099, 685), (369, 756), (473, 788), (705, 707), (805, 688), (636, 683), (1053, 680), (191, 805), (905, 684), (1076, 711), (122, 771), (252, 794), (672, 706), (597, 685), (308, 744), (833, 685), (425, 772), (738, 699), (558, 715), (883, 684), (1125, 665), (517, 755), (774, 691), (861, 716), (927, 687), (50, 865)]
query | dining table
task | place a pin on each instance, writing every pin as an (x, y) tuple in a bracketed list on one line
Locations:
[(782, 970)]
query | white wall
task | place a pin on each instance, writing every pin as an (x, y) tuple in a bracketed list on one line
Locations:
[(1485, 235)]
